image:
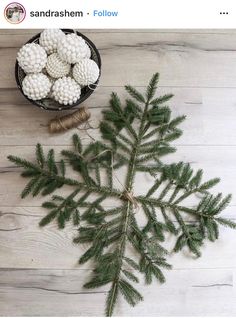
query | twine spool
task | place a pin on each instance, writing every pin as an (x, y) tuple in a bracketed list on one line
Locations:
[(67, 122)]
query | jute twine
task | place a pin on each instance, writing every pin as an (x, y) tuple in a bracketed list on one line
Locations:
[(129, 196), (64, 123)]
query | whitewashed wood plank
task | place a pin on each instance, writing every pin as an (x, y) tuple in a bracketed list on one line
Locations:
[(191, 61), (192, 31), (16, 38), (23, 244), (195, 59), (210, 118), (11, 97), (60, 293), (198, 298)]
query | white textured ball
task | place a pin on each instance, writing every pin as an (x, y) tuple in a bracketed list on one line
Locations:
[(36, 86), (49, 39), (66, 91), (56, 67), (86, 72), (72, 48), (32, 58)]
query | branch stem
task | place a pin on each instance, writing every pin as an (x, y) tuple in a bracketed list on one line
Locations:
[(173, 206), (127, 212), (83, 186)]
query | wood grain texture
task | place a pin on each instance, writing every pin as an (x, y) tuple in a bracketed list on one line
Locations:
[(207, 111), (61, 293), (39, 273)]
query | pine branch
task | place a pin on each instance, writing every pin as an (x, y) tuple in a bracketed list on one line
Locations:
[(151, 89), (135, 94), (137, 135)]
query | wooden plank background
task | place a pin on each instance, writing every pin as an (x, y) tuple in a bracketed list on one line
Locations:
[(39, 274)]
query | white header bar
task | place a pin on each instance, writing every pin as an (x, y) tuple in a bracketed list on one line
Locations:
[(112, 14)]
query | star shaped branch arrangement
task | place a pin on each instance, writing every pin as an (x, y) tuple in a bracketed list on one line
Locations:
[(135, 138)]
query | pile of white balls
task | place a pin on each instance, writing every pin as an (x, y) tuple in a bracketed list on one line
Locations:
[(59, 66)]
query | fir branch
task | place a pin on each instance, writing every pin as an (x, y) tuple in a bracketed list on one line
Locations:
[(40, 155), (162, 99), (226, 222), (151, 89), (118, 116), (19, 162), (135, 94), (111, 300), (137, 136)]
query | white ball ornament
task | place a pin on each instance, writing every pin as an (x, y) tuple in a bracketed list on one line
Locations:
[(72, 48), (86, 72), (36, 86), (32, 58), (66, 91), (49, 39), (55, 67)]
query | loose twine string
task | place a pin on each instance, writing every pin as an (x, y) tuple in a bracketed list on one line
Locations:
[(64, 123)]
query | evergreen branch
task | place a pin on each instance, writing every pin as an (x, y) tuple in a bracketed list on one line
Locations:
[(153, 132), (135, 94), (123, 147), (155, 186), (19, 162), (226, 222), (120, 256), (152, 86), (77, 143), (97, 173), (111, 300), (121, 160), (153, 170), (63, 211), (128, 211), (40, 155), (165, 127), (192, 243), (116, 105), (162, 99), (131, 295), (60, 180), (174, 194), (169, 224), (153, 143), (162, 151), (125, 139), (110, 174), (135, 108), (110, 232), (165, 191)]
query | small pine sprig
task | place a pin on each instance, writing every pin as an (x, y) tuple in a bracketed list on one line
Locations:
[(137, 135)]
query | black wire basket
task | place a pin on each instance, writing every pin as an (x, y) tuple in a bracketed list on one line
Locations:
[(49, 103)]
